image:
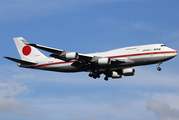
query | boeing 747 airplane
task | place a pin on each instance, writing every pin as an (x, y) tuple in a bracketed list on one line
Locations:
[(114, 63)]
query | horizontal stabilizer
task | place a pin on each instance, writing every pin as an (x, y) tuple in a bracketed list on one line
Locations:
[(20, 61)]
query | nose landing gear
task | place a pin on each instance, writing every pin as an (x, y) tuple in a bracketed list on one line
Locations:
[(159, 68)]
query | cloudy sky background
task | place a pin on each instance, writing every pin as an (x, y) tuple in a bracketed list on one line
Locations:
[(88, 26)]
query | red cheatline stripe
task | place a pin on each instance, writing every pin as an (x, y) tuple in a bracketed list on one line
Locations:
[(139, 54), (50, 64)]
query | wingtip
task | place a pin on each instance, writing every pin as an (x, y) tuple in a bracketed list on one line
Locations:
[(31, 44)]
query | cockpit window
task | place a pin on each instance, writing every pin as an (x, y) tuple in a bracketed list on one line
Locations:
[(163, 45)]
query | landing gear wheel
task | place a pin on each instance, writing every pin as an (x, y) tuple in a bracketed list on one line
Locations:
[(106, 78), (90, 75), (98, 76), (94, 75), (159, 69)]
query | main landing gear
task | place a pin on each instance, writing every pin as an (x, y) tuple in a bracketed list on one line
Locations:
[(159, 68), (97, 75), (94, 75)]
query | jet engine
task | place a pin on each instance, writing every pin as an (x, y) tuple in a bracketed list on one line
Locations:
[(72, 56), (104, 61), (115, 75), (128, 72)]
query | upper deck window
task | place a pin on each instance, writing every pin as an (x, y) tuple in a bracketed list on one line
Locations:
[(131, 48), (163, 45)]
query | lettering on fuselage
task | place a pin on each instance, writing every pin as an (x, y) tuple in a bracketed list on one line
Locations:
[(146, 50), (155, 49)]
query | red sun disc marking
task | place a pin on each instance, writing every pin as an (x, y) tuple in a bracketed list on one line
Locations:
[(26, 50)]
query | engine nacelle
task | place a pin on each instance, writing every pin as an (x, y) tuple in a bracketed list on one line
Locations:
[(104, 61), (72, 56), (128, 72), (115, 75)]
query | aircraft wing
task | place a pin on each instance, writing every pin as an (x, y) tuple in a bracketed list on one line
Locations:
[(48, 49), (60, 54), (83, 59)]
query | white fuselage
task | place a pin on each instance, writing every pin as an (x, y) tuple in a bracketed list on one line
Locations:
[(133, 56)]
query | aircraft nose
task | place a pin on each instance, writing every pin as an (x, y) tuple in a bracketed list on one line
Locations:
[(176, 52)]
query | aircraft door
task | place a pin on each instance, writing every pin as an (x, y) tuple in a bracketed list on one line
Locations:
[(151, 53)]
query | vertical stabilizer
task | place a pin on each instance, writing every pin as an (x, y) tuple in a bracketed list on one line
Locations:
[(27, 52)]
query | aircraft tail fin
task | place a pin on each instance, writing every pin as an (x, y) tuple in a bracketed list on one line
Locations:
[(27, 53)]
